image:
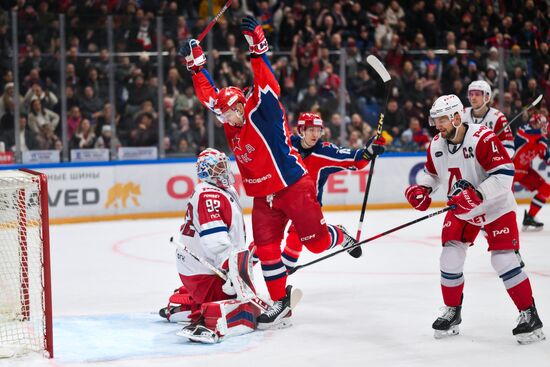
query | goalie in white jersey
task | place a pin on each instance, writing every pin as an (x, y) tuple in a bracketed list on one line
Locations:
[(471, 164), (480, 112), (213, 231)]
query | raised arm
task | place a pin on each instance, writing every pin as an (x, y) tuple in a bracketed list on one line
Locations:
[(261, 67), (205, 89)]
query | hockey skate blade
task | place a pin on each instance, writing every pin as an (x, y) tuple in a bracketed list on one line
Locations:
[(203, 339), (532, 337), (531, 229), (295, 297), (441, 334), (283, 323)]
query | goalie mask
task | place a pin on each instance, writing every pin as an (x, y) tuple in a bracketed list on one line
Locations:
[(213, 167)]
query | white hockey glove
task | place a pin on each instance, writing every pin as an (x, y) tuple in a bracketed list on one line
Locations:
[(194, 56)]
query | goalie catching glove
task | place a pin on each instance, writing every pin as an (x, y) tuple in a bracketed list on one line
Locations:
[(254, 35), (194, 56)]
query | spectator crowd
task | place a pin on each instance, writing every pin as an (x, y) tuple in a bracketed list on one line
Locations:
[(429, 47)]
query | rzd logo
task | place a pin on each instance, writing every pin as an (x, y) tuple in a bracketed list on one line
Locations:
[(121, 192), (504, 230)]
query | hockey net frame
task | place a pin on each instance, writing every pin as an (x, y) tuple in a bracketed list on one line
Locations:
[(25, 308)]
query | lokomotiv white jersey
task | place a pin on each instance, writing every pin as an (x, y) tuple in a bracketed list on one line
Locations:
[(214, 226), (494, 120), (481, 160)]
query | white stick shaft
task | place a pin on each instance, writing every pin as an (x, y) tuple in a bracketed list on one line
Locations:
[(182, 247)]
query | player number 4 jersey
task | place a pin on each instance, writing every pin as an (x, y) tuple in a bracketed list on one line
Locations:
[(213, 227), (481, 160)]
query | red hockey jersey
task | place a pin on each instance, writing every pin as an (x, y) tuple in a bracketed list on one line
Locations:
[(262, 145), (529, 143)]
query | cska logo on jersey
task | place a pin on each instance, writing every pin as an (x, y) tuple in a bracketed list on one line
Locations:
[(326, 144)]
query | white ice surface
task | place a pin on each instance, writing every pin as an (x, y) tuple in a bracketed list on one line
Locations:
[(110, 279)]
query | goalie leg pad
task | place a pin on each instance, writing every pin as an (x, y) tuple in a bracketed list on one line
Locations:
[(230, 318)]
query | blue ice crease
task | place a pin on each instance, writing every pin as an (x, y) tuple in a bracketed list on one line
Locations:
[(123, 336)]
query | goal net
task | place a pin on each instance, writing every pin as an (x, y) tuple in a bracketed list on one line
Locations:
[(25, 296)]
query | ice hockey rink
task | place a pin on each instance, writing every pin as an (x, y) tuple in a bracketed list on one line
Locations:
[(110, 279)]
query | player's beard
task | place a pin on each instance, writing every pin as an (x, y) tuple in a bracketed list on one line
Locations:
[(449, 134)]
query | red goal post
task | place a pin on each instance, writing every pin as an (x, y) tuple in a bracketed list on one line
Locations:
[(25, 280)]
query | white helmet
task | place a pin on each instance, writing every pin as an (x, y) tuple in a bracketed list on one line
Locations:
[(482, 86), (213, 167), (448, 105)]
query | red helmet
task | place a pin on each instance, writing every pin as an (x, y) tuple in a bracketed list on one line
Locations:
[(228, 97), (309, 119)]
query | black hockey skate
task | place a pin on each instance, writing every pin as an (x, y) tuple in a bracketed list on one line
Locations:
[(447, 324), (350, 241), (530, 223), (529, 328), (278, 315)]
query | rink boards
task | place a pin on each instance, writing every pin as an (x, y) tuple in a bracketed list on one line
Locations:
[(149, 189)]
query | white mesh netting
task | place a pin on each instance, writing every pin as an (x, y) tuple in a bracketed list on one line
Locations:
[(22, 310)]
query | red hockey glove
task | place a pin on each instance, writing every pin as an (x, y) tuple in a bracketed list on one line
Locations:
[(419, 197), (254, 35), (465, 201), (374, 148), (194, 57)]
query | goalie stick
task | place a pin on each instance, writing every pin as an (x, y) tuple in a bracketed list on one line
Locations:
[(385, 76), (295, 296), (441, 211), (533, 104)]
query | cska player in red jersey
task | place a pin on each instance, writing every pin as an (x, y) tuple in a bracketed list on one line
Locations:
[(471, 164), (272, 172), (532, 141), (323, 159)]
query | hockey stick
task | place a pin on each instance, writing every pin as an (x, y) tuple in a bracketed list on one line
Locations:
[(292, 271), (256, 300), (533, 104), (383, 73), (213, 21)]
